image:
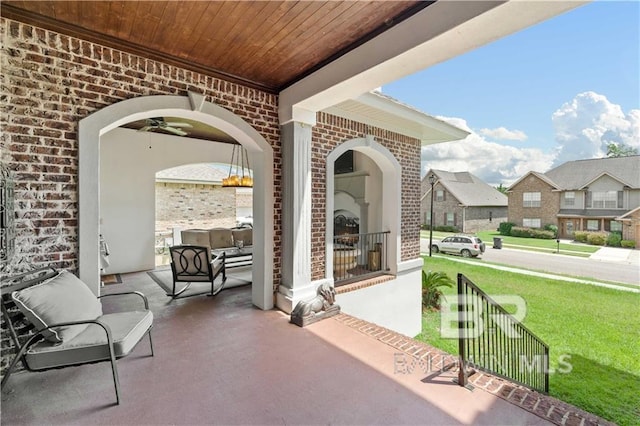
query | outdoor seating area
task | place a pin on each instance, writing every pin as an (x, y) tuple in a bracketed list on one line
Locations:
[(236, 243), (345, 376), (55, 321)]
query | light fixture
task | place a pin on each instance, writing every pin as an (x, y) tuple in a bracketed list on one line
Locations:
[(432, 181), (239, 171)]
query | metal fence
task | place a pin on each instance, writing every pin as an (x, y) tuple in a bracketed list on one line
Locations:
[(359, 256), (492, 340)]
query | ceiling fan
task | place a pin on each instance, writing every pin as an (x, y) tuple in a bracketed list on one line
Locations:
[(158, 123)]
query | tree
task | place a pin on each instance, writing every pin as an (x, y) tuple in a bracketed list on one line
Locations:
[(502, 188), (615, 150)]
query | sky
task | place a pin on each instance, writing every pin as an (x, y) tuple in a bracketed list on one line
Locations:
[(555, 92)]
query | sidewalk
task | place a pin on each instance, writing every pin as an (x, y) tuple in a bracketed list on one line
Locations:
[(616, 254)]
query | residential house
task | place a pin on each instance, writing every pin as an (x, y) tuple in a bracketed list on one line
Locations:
[(600, 194), (462, 200), (82, 79)]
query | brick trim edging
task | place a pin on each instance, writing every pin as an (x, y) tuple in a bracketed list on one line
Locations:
[(543, 406)]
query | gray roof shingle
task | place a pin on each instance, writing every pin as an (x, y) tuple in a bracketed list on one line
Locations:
[(578, 174), (469, 189)]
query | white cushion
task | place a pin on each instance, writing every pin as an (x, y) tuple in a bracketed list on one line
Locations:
[(244, 234), (195, 237), (127, 328), (63, 298), (220, 238)]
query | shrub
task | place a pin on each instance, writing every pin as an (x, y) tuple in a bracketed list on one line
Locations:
[(431, 283), (628, 244), (517, 231), (551, 228), (446, 228), (505, 228), (613, 240), (580, 236), (597, 238)]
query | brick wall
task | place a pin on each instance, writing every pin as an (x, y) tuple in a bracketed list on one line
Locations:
[(549, 202), (330, 132), (50, 82), (189, 205)]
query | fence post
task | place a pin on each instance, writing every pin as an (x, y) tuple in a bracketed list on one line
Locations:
[(462, 320)]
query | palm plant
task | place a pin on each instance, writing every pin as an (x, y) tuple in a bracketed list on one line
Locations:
[(431, 284)]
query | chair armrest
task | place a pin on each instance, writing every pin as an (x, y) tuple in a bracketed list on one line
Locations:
[(144, 298)]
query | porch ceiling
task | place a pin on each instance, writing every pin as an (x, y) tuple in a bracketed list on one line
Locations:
[(269, 44)]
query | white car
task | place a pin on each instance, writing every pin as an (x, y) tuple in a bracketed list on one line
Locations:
[(464, 245)]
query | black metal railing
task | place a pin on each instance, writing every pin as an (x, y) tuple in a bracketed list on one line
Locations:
[(359, 256), (492, 340)]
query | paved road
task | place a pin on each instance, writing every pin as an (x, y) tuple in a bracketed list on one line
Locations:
[(616, 271)]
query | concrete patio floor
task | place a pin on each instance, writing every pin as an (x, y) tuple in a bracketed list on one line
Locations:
[(221, 361)]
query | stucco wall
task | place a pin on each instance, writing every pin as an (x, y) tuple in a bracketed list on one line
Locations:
[(129, 161)]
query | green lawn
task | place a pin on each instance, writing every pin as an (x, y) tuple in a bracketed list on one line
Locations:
[(533, 244), (598, 328)]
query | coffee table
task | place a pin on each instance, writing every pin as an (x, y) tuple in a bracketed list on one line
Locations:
[(236, 257)]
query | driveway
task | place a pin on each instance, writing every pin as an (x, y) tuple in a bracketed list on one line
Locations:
[(607, 264)]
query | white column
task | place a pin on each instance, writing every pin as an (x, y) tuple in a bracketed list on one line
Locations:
[(295, 282)]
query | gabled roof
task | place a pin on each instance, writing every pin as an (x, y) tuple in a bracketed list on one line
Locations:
[(206, 173), (540, 176), (386, 112), (580, 173), (468, 189), (628, 215)]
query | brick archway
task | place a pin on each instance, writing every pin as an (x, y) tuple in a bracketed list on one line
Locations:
[(192, 107), (391, 196)]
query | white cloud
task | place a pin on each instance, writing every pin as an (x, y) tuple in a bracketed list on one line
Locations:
[(490, 161), (585, 125), (502, 133), (583, 128)]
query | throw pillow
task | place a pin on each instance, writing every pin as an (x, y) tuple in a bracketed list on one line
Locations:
[(63, 298)]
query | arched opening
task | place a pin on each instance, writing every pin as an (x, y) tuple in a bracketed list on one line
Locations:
[(92, 129), (375, 206)]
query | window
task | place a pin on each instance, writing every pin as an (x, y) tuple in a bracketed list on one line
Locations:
[(427, 218), (593, 225), (440, 195), (616, 226), (531, 223), (605, 199), (450, 219), (569, 198), (531, 199)]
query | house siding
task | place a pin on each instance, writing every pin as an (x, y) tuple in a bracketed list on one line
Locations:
[(549, 202), (450, 204), (194, 205), (477, 218), (469, 219)]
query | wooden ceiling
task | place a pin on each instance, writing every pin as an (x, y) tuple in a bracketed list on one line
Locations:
[(265, 44)]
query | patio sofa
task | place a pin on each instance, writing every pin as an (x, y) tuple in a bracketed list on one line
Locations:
[(226, 240)]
